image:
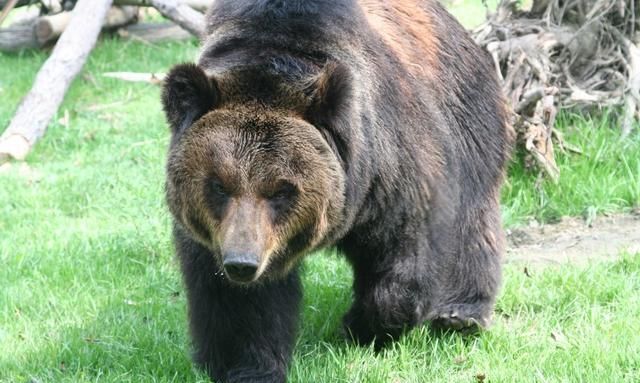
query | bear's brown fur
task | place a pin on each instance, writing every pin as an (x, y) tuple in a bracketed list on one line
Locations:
[(373, 126)]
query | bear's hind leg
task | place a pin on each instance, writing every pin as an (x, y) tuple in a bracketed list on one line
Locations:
[(470, 271)]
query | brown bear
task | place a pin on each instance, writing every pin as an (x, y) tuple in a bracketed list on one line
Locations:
[(375, 127)]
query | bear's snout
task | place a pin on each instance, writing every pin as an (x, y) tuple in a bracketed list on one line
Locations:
[(241, 267)]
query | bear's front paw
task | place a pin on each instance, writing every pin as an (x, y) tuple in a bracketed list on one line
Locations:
[(356, 328), (461, 316), (365, 327)]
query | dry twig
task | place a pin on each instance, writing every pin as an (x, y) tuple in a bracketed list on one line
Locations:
[(564, 54)]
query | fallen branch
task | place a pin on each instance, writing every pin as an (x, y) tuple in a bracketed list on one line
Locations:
[(199, 5), (151, 78), (154, 32), (181, 14), (633, 92), (67, 59)]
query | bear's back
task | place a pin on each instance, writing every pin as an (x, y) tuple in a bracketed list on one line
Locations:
[(407, 53)]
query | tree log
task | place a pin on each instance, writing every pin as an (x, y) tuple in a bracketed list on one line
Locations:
[(199, 5), (54, 78), (154, 32), (50, 27), (18, 36)]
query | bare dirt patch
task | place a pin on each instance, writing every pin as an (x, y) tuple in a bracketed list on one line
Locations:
[(572, 240)]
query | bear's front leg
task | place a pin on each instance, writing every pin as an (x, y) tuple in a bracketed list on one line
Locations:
[(241, 333)]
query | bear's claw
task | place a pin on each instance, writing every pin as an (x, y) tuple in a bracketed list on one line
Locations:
[(460, 317)]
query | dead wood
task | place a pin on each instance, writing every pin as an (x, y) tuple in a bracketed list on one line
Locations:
[(18, 36), (50, 27), (181, 14), (151, 78), (564, 54), (199, 5), (154, 32), (52, 81)]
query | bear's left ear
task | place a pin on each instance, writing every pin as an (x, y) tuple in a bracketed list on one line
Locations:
[(331, 98), (187, 94), (330, 93)]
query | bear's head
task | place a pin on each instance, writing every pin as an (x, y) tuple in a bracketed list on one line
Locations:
[(257, 183)]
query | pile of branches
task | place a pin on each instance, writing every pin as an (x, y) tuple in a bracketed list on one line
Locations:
[(569, 54)]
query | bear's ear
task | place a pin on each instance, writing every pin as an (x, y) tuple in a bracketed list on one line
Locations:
[(331, 98), (330, 93), (188, 93)]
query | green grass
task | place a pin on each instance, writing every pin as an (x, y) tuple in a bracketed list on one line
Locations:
[(604, 178), (470, 13), (89, 290)]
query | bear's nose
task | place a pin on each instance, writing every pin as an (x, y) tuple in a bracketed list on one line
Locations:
[(240, 268)]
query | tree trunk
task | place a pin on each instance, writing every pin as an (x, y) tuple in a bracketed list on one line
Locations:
[(54, 78)]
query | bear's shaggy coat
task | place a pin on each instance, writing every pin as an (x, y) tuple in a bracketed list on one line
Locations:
[(373, 126)]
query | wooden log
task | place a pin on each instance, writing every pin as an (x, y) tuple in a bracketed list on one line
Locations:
[(67, 59), (18, 36), (50, 27), (154, 32), (199, 5), (120, 16)]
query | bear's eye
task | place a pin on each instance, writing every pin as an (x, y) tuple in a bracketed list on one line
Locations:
[(218, 189), (282, 197), (217, 197), (284, 191)]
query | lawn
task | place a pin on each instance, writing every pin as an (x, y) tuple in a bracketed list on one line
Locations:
[(89, 289)]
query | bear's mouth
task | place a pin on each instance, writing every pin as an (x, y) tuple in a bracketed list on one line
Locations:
[(240, 277)]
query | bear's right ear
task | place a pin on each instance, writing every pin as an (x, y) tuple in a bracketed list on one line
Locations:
[(187, 94)]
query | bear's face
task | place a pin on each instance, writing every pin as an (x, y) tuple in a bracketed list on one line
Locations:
[(258, 187)]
